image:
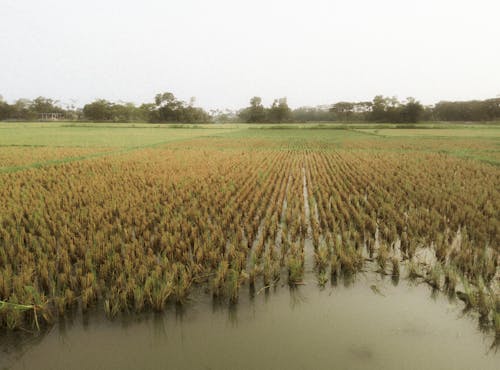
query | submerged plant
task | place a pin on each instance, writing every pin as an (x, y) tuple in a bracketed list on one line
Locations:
[(450, 279), (158, 291), (13, 313), (496, 324), (322, 278), (334, 264), (382, 257), (321, 257), (268, 269), (220, 279), (138, 298), (295, 270), (485, 301), (233, 285), (182, 283), (395, 266), (254, 269), (413, 271), (468, 296), (433, 277)]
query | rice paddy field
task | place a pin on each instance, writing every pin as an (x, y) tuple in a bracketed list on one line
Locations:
[(249, 246)]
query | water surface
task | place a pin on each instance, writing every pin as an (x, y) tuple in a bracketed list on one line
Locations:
[(340, 327)]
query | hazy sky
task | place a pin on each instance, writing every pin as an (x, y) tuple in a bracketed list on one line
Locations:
[(225, 51)]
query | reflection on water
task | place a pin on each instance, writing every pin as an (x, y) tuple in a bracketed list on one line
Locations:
[(347, 325)]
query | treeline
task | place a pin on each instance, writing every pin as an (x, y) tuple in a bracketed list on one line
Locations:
[(386, 109), (475, 110), (381, 109), (167, 108), (31, 110)]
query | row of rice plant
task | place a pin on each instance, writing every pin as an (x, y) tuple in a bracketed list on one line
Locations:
[(134, 232)]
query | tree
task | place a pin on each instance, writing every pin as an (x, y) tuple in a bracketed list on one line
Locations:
[(99, 110), (473, 110), (169, 109), (343, 110), (279, 111), (164, 99), (45, 105), (255, 112), (392, 110), (147, 112), (411, 111), (378, 109), (20, 110), (5, 110)]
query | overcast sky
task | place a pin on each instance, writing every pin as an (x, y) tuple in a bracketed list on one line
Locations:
[(225, 51)]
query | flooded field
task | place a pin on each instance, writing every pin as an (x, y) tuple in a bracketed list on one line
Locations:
[(146, 257), (368, 324)]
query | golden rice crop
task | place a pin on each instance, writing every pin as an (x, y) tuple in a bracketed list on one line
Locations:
[(137, 231)]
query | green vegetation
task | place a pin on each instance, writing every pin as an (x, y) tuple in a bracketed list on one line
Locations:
[(166, 108)]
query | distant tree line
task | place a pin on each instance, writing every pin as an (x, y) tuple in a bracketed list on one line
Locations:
[(474, 110), (380, 109), (387, 109), (28, 110), (167, 108)]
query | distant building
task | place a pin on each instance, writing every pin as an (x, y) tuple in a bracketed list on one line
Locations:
[(51, 116)]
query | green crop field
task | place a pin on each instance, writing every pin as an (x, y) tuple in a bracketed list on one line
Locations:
[(38, 144)]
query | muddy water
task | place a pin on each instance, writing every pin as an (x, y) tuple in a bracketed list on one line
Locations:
[(355, 327)]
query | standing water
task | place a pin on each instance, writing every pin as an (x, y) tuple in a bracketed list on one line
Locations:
[(369, 324)]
